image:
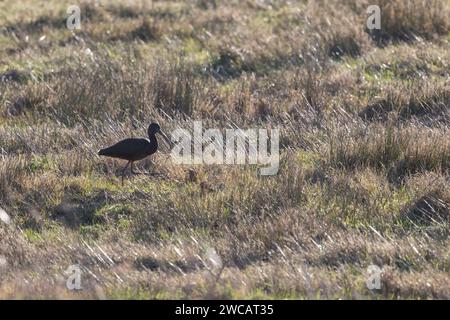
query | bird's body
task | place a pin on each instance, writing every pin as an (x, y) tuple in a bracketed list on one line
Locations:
[(134, 149)]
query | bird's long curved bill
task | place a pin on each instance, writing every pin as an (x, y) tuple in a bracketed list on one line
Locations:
[(166, 139)]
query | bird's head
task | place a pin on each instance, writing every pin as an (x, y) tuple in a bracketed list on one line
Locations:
[(154, 128)]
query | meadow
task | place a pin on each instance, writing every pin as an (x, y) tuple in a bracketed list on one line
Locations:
[(363, 180)]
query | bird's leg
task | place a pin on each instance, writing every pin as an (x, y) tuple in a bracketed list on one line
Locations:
[(153, 173), (132, 171), (149, 173), (125, 169), (139, 171), (145, 172)]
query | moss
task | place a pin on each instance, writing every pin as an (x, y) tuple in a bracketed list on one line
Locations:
[(308, 159), (39, 164), (91, 231), (33, 236), (195, 52)]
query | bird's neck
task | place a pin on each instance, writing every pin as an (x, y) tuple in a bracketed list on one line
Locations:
[(153, 140)]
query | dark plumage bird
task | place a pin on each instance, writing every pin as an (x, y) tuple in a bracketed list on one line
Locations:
[(135, 149)]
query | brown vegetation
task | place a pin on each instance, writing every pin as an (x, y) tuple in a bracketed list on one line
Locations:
[(365, 149)]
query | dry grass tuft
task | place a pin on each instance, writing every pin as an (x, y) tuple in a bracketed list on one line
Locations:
[(406, 20)]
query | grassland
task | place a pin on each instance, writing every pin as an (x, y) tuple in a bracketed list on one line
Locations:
[(365, 149)]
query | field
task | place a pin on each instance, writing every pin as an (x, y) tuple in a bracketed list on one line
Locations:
[(363, 182)]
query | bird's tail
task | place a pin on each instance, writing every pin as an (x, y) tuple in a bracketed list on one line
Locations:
[(101, 152)]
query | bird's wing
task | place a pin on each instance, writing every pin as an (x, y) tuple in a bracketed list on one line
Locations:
[(127, 149)]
